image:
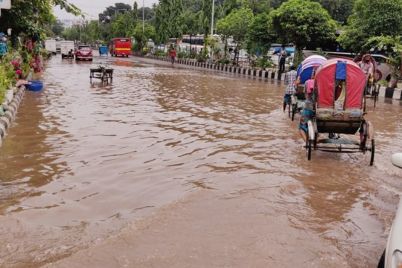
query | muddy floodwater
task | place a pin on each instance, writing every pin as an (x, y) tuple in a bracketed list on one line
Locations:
[(178, 167)]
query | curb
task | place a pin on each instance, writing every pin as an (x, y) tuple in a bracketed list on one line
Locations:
[(389, 93), (10, 112), (248, 72)]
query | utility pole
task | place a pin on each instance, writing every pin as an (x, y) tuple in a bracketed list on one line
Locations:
[(143, 17), (212, 17)]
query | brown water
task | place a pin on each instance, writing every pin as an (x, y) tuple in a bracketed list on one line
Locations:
[(173, 167)]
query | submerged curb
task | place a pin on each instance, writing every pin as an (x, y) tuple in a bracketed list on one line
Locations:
[(10, 112), (389, 93), (245, 71)]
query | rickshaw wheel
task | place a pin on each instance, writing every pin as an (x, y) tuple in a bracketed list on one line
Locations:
[(315, 140), (372, 152), (308, 148), (363, 137)]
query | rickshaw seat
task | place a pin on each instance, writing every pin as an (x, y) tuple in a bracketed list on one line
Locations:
[(332, 121)]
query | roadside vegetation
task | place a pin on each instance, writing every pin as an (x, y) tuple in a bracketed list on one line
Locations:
[(28, 20)]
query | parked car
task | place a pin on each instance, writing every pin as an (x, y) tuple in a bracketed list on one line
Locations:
[(83, 52)]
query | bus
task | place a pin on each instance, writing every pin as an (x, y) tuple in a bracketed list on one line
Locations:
[(120, 47)]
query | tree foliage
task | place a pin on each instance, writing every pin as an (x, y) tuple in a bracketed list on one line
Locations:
[(113, 11), (372, 18), (57, 28), (32, 16), (236, 24), (261, 34), (304, 23), (339, 10), (168, 19), (143, 35)]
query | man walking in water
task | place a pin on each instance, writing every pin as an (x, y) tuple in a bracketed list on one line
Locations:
[(290, 82)]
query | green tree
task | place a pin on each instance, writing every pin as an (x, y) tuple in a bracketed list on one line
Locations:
[(143, 35), (303, 23), (32, 16), (340, 10), (57, 28), (113, 11), (190, 22), (260, 34), (123, 25), (168, 20), (236, 24), (71, 33), (371, 18)]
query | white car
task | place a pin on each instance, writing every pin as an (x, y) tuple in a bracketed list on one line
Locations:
[(392, 256)]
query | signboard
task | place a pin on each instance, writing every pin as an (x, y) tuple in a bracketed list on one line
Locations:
[(5, 4)]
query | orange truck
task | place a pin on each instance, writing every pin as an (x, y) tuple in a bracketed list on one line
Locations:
[(120, 47)]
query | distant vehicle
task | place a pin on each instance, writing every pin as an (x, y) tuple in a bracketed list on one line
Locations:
[(50, 46), (83, 52), (103, 50), (120, 47), (58, 45), (67, 49)]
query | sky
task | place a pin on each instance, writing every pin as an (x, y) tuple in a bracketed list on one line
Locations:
[(94, 7)]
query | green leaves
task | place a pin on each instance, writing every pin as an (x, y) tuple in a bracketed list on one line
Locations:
[(372, 18), (304, 23), (32, 16), (142, 36), (236, 24), (168, 19), (260, 34)]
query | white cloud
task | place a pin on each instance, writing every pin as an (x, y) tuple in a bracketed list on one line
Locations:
[(91, 9)]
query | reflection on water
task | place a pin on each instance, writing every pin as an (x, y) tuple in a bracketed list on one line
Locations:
[(83, 161)]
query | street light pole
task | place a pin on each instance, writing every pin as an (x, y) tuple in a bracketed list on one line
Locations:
[(143, 17), (212, 17)]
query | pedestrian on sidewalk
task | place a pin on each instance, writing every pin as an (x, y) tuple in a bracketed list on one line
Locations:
[(282, 59), (172, 54)]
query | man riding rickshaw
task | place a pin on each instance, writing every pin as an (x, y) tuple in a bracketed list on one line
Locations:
[(305, 81), (338, 103)]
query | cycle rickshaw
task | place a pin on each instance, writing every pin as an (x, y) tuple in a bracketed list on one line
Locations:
[(338, 103), (372, 89), (304, 72)]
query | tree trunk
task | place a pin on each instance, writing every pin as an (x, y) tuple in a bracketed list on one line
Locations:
[(298, 58)]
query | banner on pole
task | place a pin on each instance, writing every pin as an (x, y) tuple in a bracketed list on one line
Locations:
[(5, 4)]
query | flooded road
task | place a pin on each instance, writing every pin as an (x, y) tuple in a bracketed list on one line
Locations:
[(177, 167)]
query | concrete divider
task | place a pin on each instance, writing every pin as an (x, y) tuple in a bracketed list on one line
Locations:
[(10, 112), (266, 74)]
